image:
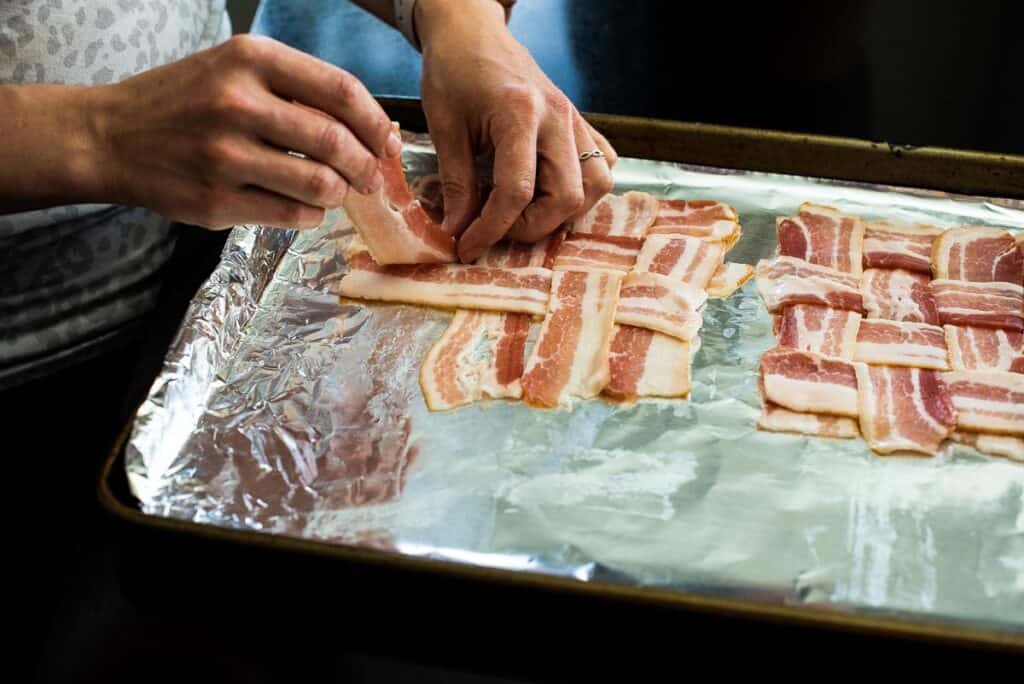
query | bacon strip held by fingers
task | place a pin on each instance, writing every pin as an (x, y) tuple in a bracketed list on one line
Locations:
[(785, 281), (820, 329), (898, 295), (643, 363), (627, 215), (570, 358), (987, 305), (394, 225), (728, 278), (917, 345), (775, 418), (904, 409), (988, 401), (894, 244), (512, 254), (809, 383), (979, 254), (823, 236), (479, 356), (704, 219), (972, 348), (993, 445), (452, 286), (590, 252), (687, 259), (657, 302)]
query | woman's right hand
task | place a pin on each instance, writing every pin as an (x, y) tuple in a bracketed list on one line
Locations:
[(206, 140)]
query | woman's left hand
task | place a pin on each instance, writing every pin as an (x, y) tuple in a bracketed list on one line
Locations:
[(483, 92)]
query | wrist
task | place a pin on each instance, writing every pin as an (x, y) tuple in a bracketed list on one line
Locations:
[(435, 18)]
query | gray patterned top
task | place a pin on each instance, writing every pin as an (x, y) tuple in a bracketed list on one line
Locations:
[(74, 278)]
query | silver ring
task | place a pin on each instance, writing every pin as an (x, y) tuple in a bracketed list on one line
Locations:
[(590, 155)]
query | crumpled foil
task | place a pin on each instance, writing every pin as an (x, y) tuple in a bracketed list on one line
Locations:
[(283, 410)]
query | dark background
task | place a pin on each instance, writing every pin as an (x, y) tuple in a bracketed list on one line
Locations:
[(104, 604)]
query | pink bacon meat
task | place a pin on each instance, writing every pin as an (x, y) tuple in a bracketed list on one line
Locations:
[(904, 409), (394, 226), (784, 281), (451, 286), (978, 254), (987, 305), (687, 259), (570, 357), (892, 343), (809, 383), (988, 401), (820, 329), (479, 356), (657, 302), (643, 363), (821, 235), (972, 348), (628, 215), (894, 244), (898, 295), (591, 252), (704, 219)]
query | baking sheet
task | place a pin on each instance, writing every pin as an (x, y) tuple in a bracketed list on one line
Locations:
[(282, 410)]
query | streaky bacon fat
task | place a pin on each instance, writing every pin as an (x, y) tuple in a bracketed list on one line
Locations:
[(784, 281), (904, 409)]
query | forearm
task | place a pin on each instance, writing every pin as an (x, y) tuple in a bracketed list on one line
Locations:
[(50, 147), (467, 10)]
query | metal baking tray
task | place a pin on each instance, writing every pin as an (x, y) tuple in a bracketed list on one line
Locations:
[(991, 185)]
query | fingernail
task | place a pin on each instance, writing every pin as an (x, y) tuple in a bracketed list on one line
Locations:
[(393, 147)]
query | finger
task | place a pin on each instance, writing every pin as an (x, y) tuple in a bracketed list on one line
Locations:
[(457, 169), (560, 183), (294, 74), (515, 171), (303, 180), (319, 137), (255, 206), (597, 177), (610, 155)]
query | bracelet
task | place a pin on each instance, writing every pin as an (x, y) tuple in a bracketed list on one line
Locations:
[(404, 19)]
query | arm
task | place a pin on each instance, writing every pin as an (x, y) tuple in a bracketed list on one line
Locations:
[(204, 140)]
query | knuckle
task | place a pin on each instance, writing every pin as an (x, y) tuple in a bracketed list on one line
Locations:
[(323, 186), (383, 130), (561, 106), (332, 139), (233, 103), (369, 168), (572, 199), (246, 48), (597, 185), (522, 99), (220, 156), (347, 87), (521, 192)]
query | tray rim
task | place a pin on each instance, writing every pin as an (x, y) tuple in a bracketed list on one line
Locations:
[(618, 129)]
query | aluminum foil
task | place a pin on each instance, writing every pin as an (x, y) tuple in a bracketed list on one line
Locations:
[(283, 410)]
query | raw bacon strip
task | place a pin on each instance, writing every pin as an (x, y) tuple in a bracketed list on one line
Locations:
[(784, 281), (988, 401), (657, 302), (820, 329), (704, 219), (972, 348), (993, 445), (809, 383), (894, 244), (823, 236), (899, 295), (394, 226), (570, 358), (590, 252), (628, 215), (904, 409), (728, 278), (428, 191), (479, 356), (688, 259), (774, 418), (978, 254), (917, 345), (512, 254), (987, 305), (643, 363), (453, 286)]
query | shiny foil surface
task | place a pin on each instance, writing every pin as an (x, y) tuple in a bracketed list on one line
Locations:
[(283, 410)]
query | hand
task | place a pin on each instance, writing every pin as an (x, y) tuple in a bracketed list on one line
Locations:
[(481, 89), (206, 140)]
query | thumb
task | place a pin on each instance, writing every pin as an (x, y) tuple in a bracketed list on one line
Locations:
[(457, 168)]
